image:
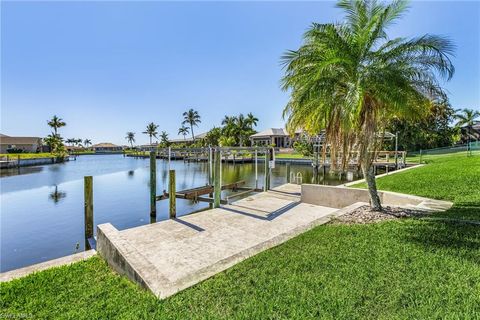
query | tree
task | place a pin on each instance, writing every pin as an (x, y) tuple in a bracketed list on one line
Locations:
[(130, 138), (78, 142), (56, 123), (192, 118), (350, 79), (466, 117), (70, 141), (251, 120), (213, 136), (183, 131), (431, 131), (151, 131), (87, 143), (164, 142), (55, 143)]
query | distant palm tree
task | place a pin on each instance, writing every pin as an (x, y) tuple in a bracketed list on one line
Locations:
[(350, 79), (130, 138), (229, 126), (192, 118), (164, 139), (183, 131), (251, 120), (242, 128), (87, 143), (56, 123), (78, 142), (70, 141), (151, 130), (466, 117)]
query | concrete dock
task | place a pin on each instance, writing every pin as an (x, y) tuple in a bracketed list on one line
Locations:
[(171, 255)]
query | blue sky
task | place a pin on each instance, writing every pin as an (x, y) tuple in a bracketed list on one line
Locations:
[(111, 67)]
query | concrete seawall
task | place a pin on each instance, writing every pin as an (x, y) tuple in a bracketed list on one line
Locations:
[(29, 162)]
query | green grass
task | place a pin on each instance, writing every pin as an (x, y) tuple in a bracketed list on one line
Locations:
[(454, 178), (402, 269), (405, 269), (14, 156), (291, 156)]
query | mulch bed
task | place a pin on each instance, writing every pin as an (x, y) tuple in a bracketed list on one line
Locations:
[(365, 214)]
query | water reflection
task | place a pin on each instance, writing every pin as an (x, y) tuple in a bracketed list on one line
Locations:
[(121, 197), (19, 171), (56, 196)]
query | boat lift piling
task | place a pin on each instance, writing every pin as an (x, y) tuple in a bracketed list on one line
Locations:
[(214, 187)]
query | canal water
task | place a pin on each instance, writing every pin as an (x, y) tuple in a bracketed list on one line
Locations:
[(42, 210)]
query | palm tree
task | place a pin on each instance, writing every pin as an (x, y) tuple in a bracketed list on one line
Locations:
[(87, 143), (78, 142), (130, 138), (151, 130), (349, 79), (164, 139), (56, 123), (466, 117), (192, 118), (183, 131), (70, 141), (242, 128), (251, 120)]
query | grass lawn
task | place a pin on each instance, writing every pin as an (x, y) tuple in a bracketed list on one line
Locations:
[(450, 177), (402, 269), (291, 156)]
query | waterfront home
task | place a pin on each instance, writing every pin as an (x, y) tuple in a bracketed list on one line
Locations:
[(19, 144), (470, 133), (277, 137), (198, 137), (106, 147)]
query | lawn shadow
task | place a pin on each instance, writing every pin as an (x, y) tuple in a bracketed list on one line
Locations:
[(458, 238)]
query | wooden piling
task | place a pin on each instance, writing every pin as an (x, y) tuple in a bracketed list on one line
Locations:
[(172, 194), (217, 185), (88, 204), (153, 184), (266, 183), (288, 172)]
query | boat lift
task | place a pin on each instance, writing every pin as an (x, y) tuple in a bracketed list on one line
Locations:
[(211, 192)]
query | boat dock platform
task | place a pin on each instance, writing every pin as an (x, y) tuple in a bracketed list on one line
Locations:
[(169, 256)]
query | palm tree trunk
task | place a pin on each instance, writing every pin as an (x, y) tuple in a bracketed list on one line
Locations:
[(150, 140), (193, 136), (372, 187)]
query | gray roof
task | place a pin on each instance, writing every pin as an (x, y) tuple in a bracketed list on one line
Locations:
[(4, 139), (270, 132)]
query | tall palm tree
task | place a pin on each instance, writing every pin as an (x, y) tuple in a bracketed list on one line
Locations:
[(151, 130), (192, 118), (130, 138), (251, 120), (87, 143), (349, 79), (78, 142), (56, 123), (183, 131)]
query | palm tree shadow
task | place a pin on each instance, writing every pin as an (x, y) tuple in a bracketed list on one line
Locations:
[(457, 238)]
